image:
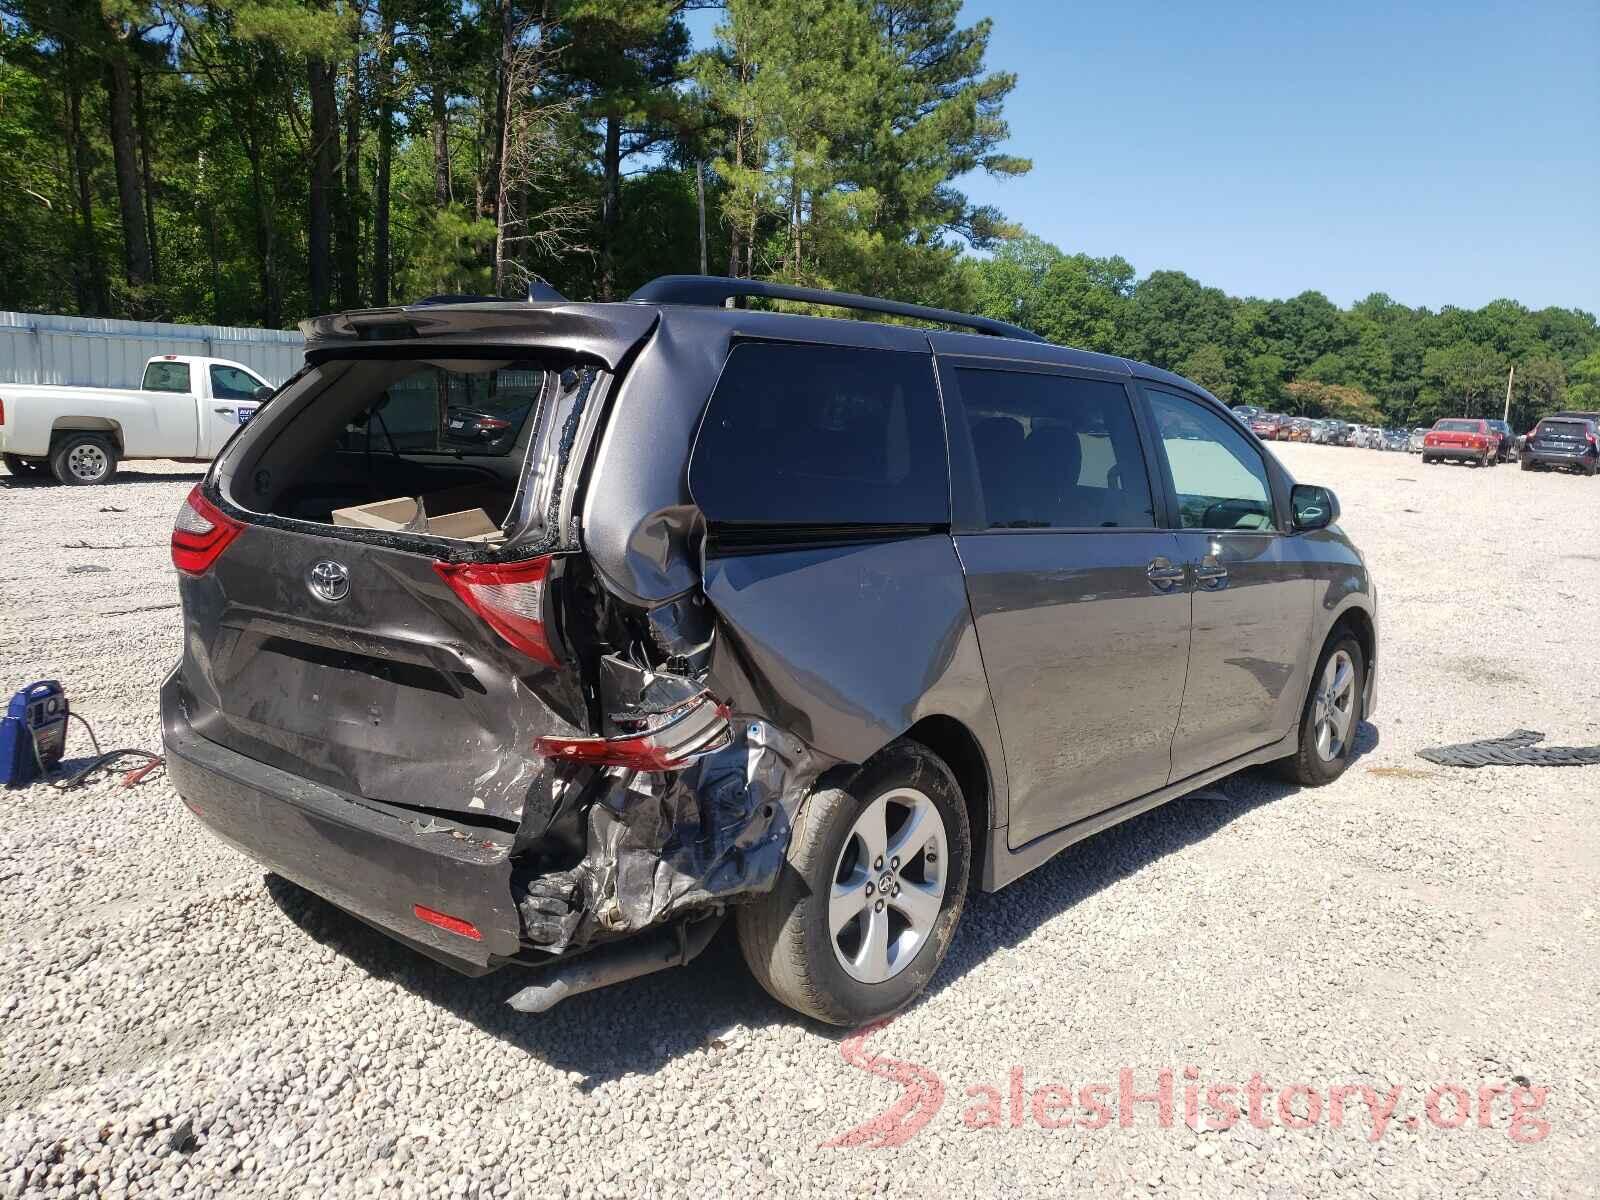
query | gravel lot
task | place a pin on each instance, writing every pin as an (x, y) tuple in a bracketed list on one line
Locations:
[(171, 1021)]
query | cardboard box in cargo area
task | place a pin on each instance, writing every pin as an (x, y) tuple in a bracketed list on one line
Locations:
[(462, 514)]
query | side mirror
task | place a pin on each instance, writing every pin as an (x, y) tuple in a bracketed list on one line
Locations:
[(1314, 507), (262, 393)]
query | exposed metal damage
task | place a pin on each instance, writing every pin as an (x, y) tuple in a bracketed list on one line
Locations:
[(686, 806)]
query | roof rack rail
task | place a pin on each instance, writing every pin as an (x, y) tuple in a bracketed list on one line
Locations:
[(717, 290)]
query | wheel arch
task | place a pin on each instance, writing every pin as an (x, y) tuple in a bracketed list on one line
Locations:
[(962, 752), (69, 425)]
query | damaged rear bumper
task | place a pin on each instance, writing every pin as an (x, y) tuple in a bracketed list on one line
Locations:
[(376, 861), (659, 847)]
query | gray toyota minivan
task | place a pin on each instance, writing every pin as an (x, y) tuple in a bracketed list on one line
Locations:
[(552, 634)]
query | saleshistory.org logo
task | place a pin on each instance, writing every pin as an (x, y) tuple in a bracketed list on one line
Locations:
[(1170, 1094)]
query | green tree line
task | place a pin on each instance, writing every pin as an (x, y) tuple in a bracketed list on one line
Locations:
[(259, 161), (1375, 361)]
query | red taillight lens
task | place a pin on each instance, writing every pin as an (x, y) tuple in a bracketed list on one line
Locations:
[(493, 423), (2, 410), (510, 597), (446, 922), (200, 534), (672, 740)]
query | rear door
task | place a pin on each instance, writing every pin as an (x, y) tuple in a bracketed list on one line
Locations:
[(1078, 594), (1561, 437), (1252, 597)]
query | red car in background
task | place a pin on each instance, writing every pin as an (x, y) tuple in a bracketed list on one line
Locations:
[(1266, 426), (1461, 439)]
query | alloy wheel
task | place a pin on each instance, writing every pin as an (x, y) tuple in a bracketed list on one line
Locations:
[(1333, 711), (888, 885)]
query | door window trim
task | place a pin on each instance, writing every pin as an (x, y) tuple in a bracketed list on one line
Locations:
[(966, 489), (1276, 492)]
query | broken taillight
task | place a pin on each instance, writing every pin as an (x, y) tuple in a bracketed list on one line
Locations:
[(446, 922), (200, 534), (671, 740), (510, 597)]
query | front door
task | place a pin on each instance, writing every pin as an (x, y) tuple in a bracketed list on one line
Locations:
[(1080, 600), (1252, 597), (233, 402)]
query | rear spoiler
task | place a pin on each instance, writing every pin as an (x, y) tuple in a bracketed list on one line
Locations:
[(605, 333)]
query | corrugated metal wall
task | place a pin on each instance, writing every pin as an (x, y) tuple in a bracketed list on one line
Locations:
[(98, 352)]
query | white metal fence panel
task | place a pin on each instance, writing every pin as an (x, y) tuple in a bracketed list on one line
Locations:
[(99, 352)]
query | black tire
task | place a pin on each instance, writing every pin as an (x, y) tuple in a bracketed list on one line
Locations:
[(83, 459), (1306, 766), (25, 468), (1527, 464), (785, 935)]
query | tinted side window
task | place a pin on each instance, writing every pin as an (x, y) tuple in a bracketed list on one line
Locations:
[(166, 377), (1054, 452), (822, 435), (1219, 477), (230, 383)]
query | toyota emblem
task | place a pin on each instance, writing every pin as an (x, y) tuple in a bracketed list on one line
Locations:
[(328, 580)]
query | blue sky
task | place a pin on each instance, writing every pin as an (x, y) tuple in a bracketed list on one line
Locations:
[(1445, 153)]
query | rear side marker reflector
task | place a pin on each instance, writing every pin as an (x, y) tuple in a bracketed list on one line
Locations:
[(680, 736), (510, 597), (447, 923), (200, 534)]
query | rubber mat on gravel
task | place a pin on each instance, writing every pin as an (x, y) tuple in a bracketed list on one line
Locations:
[(1518, 748)]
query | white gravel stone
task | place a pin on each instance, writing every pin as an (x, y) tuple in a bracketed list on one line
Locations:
[(1407, 926)]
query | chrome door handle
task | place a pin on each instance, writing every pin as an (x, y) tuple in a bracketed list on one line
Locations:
[(222, 410), (1211, 574), (1163, 575)]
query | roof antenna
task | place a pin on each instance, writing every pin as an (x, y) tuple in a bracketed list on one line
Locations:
[(538, 289)]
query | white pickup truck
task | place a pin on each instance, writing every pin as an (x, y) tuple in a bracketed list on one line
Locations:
[(186, 407)]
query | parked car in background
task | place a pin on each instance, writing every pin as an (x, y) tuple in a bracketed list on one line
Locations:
[(1396, 439), (1299, 429), (1414, 441), (186, 406), (1265, 426), (1506, 451), (1461, 439), (1566, 442), (681, 680), (1246, 412), (1338, 432)]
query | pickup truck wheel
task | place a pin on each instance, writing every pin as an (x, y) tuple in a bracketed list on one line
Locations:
[(79, 459), (24, 468), (870, 892), (1330, 717)]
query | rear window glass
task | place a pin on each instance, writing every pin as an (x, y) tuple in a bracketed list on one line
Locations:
[(1561, 429), (822, 435), (1458, 427), (166, 377), (425, 408)]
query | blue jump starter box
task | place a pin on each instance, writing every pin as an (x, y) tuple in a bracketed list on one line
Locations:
[(33, 733)]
